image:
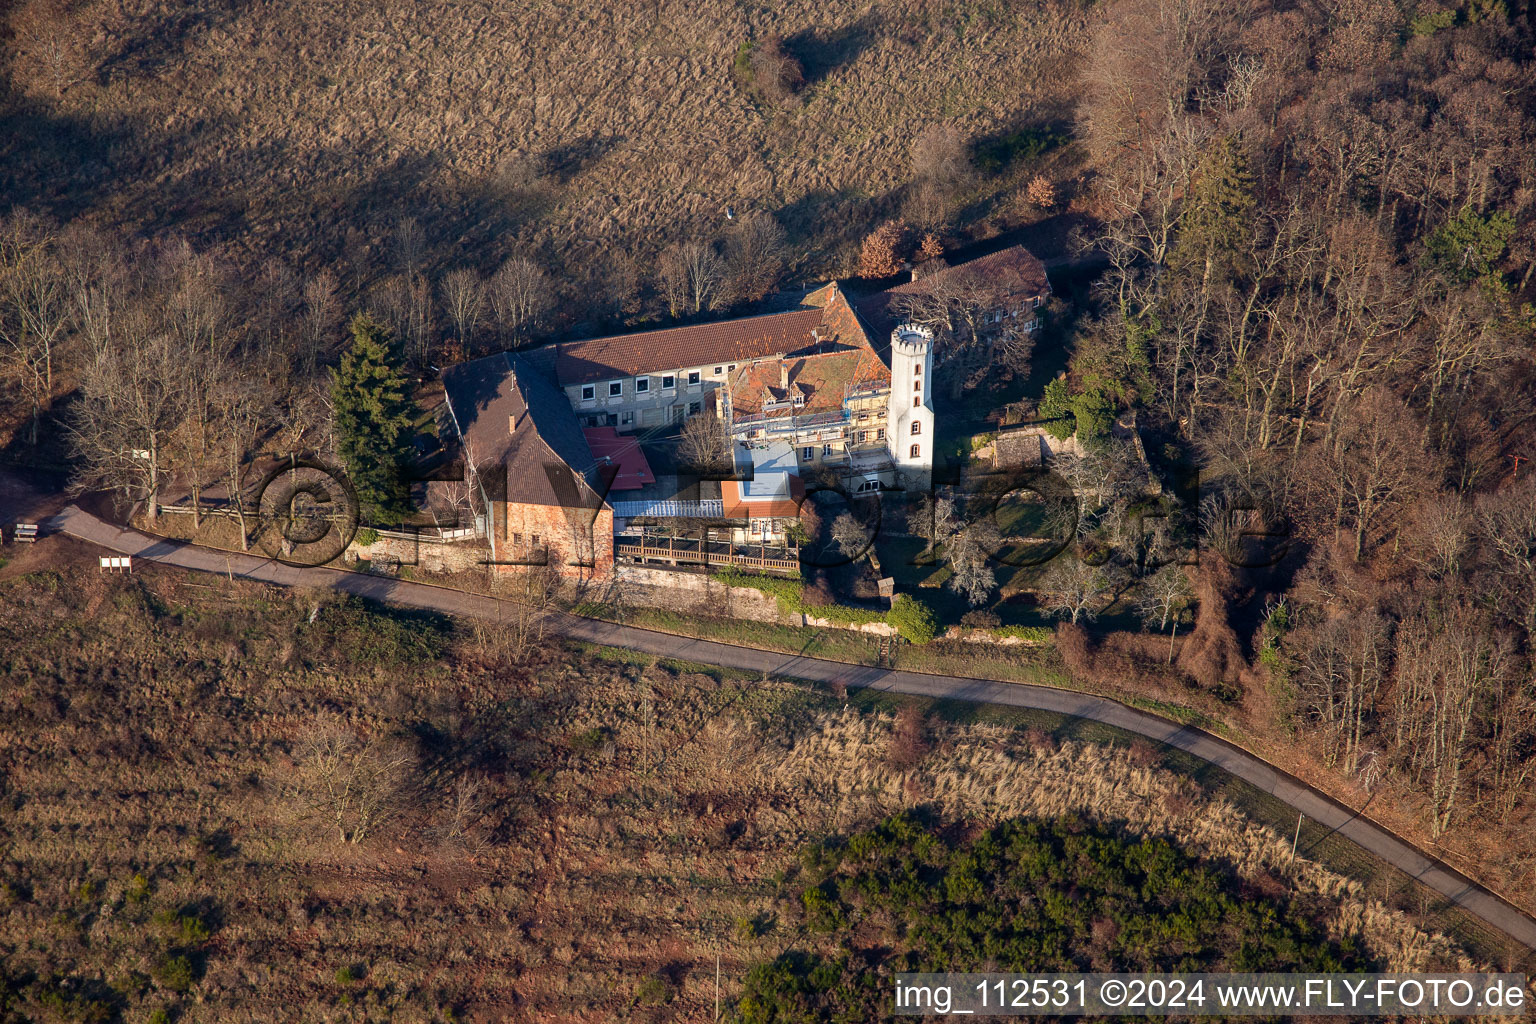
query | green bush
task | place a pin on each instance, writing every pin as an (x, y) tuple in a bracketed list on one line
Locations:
[(913, 619), (138, 889), (160, 1016), (174, 972), (790, 595), (348, 975), (653, 991), (366, 535), (1028, 634)]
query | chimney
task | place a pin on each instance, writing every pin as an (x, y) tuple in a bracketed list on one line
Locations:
[(512, 424), (784, 374)]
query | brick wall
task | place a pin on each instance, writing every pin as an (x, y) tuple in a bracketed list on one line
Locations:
[(570, 536)]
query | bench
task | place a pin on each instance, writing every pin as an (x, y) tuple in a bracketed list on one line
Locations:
[(25, 533), (117, 563)]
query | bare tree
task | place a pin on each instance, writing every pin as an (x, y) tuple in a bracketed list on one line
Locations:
[(1374, 461), (775, 71), (131, 402), (464, 299), (410, 246), (704, 447), (322, 316), (940, 155), (756, 250), (34, 310), (1341, 669), (1073, 589), (1161, 600), (521, 297), (691, 276), (355, 786)]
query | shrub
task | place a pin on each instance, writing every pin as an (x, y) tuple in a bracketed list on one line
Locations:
[(349, 974), (160, 1016), (366, 535), (174, 972), (980, 618), (913, 619), (653, 991), (138, 889), (883, 249)]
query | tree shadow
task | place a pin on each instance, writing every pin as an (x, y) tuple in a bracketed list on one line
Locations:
[(820, 52), (158, 40)]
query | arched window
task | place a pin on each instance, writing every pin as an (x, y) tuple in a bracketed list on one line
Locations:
[(917, 385), (917, 401), (917, 428), (916, 450)]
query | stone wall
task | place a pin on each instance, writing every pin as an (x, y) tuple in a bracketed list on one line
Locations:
[(694, 593)]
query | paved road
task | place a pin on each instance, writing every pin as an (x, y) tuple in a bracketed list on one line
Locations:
[(1319, 808)]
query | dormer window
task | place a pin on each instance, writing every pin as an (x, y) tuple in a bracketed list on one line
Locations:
[(642, 385), (693, 378), (615, 389), (588, 392), (668, 382), (799, 400)]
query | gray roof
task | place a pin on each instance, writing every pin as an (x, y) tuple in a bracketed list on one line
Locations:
[(510, 415)]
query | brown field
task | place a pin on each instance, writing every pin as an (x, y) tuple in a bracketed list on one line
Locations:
[(560, 831), (307, 131)]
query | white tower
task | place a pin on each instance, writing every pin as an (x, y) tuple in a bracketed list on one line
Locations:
[(909, 414)]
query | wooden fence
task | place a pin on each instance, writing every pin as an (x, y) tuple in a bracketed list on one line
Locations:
[(688, 553)]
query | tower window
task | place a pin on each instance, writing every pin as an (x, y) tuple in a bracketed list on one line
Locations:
[(917, 428), (916, 450), (917, 401), (917, 385), (917, 370)]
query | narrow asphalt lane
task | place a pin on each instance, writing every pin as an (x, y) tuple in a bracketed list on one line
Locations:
[(1322, 809)]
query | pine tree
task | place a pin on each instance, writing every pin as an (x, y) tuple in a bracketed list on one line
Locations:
[(373, 418), (1215, 221)]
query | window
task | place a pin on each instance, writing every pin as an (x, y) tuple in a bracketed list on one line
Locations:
[(1037, 302), (826, 450), (917, 385), (693, 408), (693, 378), (668, 382), (731, 367), (917, 401), (588, 392), (717, 371), (517, 538), (880, 434), (799, 400), (917, 371), (917, 428), (916, 450), (627, 418), (533, 539), (863, 436), (806, 454), (642, 385), (615, 389)]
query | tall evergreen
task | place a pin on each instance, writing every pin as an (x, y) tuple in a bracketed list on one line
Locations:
[(1217, 216), (373, 420)]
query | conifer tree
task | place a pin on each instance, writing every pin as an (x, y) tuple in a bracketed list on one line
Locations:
[(1215, 219), (373, 417)]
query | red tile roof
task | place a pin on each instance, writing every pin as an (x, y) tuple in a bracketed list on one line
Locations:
[(624, 452), (725, 341), (1015, 268)]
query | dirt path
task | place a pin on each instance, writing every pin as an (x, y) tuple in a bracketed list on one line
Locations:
[(1317, 806)]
